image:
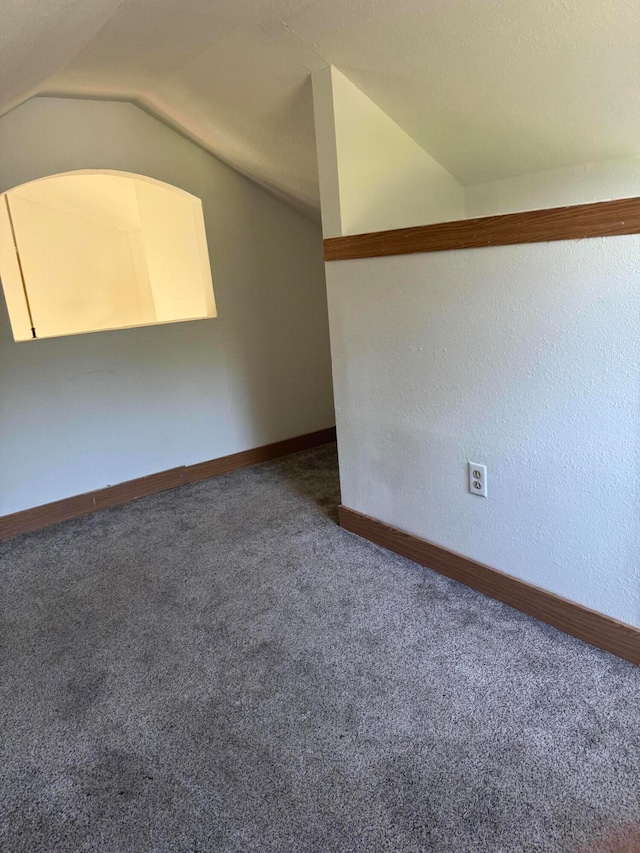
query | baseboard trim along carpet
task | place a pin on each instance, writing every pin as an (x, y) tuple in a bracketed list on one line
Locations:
[(68, 508), (595, 628)]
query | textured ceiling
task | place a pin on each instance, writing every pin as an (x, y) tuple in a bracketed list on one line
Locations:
[(491, 88)]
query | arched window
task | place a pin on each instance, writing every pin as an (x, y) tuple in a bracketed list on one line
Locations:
[(90, 251)]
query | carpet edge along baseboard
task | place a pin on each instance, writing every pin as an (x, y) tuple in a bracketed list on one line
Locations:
[(65, 509), (589, 625)]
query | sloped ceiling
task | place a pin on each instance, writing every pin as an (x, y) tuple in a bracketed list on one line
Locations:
[(491, 88)]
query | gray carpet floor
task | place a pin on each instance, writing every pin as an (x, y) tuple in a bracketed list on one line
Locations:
[(222, 668)]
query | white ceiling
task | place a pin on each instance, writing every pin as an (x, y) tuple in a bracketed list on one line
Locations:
[(491, 88)]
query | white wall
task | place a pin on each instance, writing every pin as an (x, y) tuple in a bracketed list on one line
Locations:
[(525, 358), (83, 412), (580, 184), (373, 175), (80, 271), (176, 253), (156, 230)]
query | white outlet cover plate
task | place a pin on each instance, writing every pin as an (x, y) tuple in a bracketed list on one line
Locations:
[(478, 479)]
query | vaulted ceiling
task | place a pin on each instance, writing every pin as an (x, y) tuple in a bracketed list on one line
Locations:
[(491, 88)]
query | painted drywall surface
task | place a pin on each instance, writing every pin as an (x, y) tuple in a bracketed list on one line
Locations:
[(80, 272), (490, 89), (384, 178), (608, 179), (89, 240), (11, 287), (106, 197), (327, 151), (176, 253), (83, 412), (38, 41), (524, 358)]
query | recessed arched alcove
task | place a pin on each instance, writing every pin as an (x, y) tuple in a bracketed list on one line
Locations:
[(95, 250)]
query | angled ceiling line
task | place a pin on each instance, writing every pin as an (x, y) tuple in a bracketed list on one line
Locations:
[(309, 211)]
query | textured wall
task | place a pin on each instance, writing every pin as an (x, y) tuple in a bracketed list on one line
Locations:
[(83, 412), (525, 358)]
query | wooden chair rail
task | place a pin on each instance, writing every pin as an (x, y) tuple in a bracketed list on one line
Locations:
[(598, 219)]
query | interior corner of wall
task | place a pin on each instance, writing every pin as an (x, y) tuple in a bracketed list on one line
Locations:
[(387, 178), (322, 82)]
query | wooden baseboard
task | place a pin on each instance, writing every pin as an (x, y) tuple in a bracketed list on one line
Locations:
[(73, 507), (588, 625), (246, 458)]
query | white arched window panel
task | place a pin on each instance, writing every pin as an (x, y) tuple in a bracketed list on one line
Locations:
[(90, 251)]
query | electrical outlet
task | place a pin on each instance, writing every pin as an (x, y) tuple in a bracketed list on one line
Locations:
[(478, 479)]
